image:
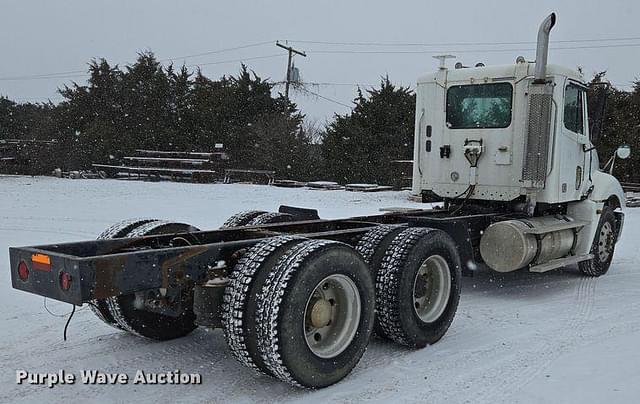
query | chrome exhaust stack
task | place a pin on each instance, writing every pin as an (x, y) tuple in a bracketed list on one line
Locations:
[(542, 49), (538, 131)]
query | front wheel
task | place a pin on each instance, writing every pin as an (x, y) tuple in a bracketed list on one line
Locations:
[(603, 246)]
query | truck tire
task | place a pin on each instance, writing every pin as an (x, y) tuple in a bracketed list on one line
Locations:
[(241, 218), (603, 246), (99, 307), (241, 298), (150, 324), (418, 287), (315, 313), (372, 247), (121, 229), (270, 218)]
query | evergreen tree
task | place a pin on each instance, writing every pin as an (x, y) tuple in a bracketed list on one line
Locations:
[(622, 126), (360, 146), (9, 121)]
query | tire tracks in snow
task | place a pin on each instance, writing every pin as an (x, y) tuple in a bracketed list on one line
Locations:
[(119, 350), (549, 347)]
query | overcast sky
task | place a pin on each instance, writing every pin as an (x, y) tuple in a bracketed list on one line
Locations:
[(43, 37)]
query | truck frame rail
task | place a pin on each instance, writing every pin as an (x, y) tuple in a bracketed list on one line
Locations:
[(79, 272)]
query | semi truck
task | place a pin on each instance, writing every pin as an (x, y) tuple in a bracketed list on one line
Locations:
[(507, 152)]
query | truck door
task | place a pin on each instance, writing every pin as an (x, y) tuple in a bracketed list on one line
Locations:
[(571, 141)]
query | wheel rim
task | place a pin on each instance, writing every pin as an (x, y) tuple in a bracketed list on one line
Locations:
[(431, 289), (605, 242), (332, 315)]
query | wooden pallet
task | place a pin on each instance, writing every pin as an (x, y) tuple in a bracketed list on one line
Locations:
[(324, 185), (288, 184), (232, 175), (367, 188)]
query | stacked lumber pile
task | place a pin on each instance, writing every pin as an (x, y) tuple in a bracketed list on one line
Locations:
[(26, 156), (172, 165), (633, 199)]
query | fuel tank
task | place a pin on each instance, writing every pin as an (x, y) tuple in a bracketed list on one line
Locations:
[(513, 244)]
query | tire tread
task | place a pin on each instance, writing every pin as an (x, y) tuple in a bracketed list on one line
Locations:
[(270, 304), (237, 292), (388, 281)]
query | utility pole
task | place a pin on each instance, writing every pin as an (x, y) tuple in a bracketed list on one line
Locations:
[(291, 52)]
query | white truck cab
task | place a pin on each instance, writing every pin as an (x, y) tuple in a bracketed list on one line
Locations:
[(487, 107), (515, 137)]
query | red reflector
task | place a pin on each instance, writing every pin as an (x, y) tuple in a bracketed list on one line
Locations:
[(23, 271), (41, 267), (65, 281)]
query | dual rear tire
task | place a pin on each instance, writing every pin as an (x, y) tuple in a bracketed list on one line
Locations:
[(256, 218), (300, 310), (303, 310), (417, 274), (418, 287), (128, 312)]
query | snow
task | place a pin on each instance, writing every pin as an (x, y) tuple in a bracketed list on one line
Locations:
[(517, 337)]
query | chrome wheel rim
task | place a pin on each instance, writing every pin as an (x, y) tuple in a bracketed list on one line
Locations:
[(431, 289), (332, 315), (605, 242)]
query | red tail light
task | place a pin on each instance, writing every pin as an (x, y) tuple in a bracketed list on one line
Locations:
[(23, 271), (65, 281)]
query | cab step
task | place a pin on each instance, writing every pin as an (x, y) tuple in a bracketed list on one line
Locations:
[(560, 262)]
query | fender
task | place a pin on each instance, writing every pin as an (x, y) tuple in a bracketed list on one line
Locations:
[(607, 190), (588, 211), (604, 187)]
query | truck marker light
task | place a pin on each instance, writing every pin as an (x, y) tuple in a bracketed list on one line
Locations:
[(23, 271), (41, 262), (65, 281)]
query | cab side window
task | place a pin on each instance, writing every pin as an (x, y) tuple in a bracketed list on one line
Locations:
[(573, 109)]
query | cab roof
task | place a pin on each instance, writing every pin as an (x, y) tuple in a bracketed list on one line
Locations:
[(499, 71)]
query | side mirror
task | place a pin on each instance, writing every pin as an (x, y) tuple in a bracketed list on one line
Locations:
[(623, 152)]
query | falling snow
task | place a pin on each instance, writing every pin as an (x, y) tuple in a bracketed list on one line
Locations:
[(517, 337)]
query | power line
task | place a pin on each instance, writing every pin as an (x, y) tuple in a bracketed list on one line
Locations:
[(251, 45), (461, 43), (383, 52), (340, 84), (325, 98), (52, 76), (41, 78), (82, 73), (239, 60), (72, 73)]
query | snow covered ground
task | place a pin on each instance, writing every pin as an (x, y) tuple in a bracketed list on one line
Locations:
[(517, 338)]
